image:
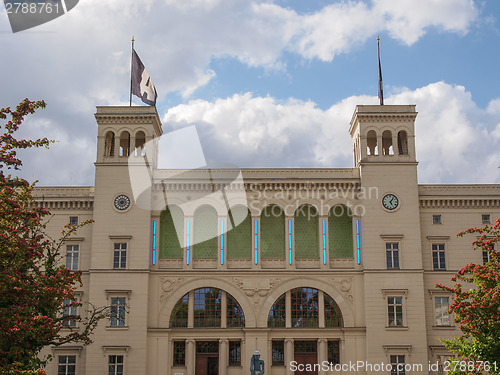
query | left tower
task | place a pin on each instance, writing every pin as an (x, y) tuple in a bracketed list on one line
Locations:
[(121, 238)]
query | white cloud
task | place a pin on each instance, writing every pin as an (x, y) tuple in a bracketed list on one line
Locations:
[(456, 140), (83, 59), (407, 20)]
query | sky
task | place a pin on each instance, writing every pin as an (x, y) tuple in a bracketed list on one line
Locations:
[(267, 83)]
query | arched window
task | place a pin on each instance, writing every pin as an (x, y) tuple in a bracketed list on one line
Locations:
[(207, 310), (333, 317), (306, 232), (340, 232), (239, 238), (305, 311), (172, 233), (109, 144), (277, 314), (272, 233), (125, 143), (387, 143), (371, 143), (140, 142), (402, 142), (305, 308), (179, 317), (205, 225), (207, 307), (235, 316)]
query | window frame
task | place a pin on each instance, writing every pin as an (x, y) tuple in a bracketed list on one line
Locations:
[(177, 361), (396, 293), (72, 220), (115, 350), (389, 249), (110, 295), (330, 358), (281, 353), (486, 257), (116, 364), (211, 318), (300, 319), (72, 311), (66, 364), (435, 309), (236, 363), (435, 249), (437, 219), (117, 319), (396, 358), (121, 251), (485, 218), (71, 250)]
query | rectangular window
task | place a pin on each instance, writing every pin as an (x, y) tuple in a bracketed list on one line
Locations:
[(72, 257), (115, 365), (69, 311), (334, 352), (397, 365), (278, 353), (117, 318), (486, 257), (486, 219), (234, 353), (436, 219), (395, 311), (179, 353), (66, 365), (73, 220), (438, 262), (120, 256), (392, 255), (441, 306)]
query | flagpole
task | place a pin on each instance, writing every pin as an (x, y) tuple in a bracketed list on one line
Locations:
[(131, 65), (380, 84)]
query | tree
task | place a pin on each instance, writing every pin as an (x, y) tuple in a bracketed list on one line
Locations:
[(34, 288), (477, 307)]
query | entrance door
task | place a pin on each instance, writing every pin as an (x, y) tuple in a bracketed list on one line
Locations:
[(207, 358), (306, 357)]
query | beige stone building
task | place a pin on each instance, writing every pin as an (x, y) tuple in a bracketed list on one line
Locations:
[(308, 266)]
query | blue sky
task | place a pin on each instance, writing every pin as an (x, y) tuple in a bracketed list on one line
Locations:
[(267, 83)]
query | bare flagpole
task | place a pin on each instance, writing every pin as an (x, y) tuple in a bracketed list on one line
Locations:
[(131, 66), (380, 84)]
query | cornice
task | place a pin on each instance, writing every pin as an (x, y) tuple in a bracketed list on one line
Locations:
[(65, 197), (459, 196)]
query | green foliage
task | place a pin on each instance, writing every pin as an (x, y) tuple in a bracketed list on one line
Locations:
[(33, 286), (477, 308)]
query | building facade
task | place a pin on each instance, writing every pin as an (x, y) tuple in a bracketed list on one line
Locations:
[(309, 266)]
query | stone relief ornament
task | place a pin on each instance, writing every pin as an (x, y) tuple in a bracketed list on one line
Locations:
[(168, 285), (344, 285)]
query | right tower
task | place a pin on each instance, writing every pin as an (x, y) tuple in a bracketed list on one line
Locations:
[(393, 276), (383, 134)]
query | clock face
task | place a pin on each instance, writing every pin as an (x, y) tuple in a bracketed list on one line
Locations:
[(390, 201), (122, 202)]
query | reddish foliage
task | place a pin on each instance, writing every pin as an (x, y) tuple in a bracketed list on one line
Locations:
[(32, 284)]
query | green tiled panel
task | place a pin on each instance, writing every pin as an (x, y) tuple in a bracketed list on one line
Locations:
[(205, 224), (272, 233), (239, 239), (306, 233), (340, 232), (170, 248)]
